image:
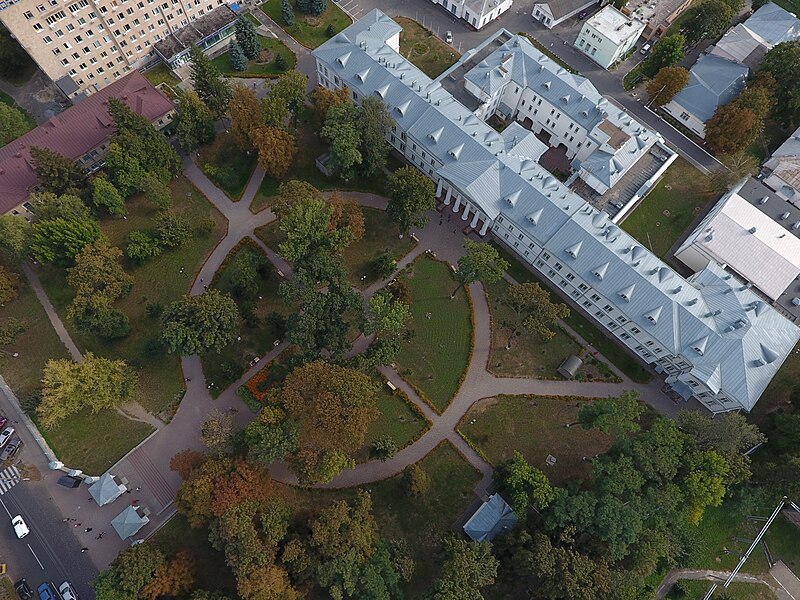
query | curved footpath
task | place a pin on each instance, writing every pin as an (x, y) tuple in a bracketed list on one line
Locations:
[(147, 466)]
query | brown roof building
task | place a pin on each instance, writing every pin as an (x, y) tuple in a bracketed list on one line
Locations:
[(80, 132)]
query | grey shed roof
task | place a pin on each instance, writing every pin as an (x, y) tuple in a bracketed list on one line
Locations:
[(741, 45), (492, 517), (128, 522), (773, 24), (106, 489), (563, 8), (712, 81), (196, 31)]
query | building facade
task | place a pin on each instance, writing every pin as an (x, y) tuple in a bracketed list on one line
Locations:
[(84, 45), (608, 35), (555, 12), (710, 335), (476, 13), (81, 133)]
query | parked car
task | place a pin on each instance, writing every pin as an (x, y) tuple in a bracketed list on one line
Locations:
[(5, 435), (46, 591), (20, 528), (11, 449), (67, 591), (3, 421), (645, 49), (23, 590), (448, 37), (582, 14)]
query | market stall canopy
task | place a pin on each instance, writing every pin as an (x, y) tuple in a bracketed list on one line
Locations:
[(106, 489), (128, 522)]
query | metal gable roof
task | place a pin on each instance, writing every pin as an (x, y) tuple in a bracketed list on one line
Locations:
[(774, 24), (713, 81)]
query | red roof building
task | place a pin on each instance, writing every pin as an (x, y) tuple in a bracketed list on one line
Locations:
[(80, 132)]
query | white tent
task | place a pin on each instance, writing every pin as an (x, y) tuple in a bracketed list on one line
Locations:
[(128, 522), (106, 489)]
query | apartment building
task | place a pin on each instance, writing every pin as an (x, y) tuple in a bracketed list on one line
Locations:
[(608, 35), (476, 13), (711, 336), (81, 133), (83, 45)]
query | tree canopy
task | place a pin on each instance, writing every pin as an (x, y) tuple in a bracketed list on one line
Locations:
[(783, 63), (667, 82), (195, 123), (56, 173), (616, 416), (13, 123), (411, 194), (197, 324), (213, 89), (533, 310), (481, 262)]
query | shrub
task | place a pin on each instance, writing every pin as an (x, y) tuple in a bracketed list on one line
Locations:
[(416, 480), (142, 246), (173, 230), (384, 448)]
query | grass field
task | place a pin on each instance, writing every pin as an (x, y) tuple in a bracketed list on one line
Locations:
[(161, 74), (225, 367), (158, 281), (309, 30), (380, 235), (670, 207), (691, 589), (227, 166), (398, 419), (534, 426), (605, 345), (265, 65), (438, 353), (421, 522), (424, 49)]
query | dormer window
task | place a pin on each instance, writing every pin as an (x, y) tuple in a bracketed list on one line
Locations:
[(600, 271), (627, 293)]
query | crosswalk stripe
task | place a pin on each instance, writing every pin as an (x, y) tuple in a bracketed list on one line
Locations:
[(9, 477)]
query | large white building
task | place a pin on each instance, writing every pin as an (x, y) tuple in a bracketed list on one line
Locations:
[(710, 334), (608, 35), (477, 13)]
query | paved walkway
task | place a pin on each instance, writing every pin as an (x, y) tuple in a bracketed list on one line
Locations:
[(719, 577)]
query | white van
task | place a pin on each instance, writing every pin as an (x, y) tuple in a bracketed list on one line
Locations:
[(20, 528), (645, 49)]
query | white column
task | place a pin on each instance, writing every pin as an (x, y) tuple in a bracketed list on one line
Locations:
[(447, 195), (465, 215), (439, 188), (486, 223), (475, 219), (457, 205)]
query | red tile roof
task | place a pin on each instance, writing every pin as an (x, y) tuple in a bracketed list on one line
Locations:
[(74, 132)]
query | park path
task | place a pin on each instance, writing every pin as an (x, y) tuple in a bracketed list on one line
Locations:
[(719, 577)]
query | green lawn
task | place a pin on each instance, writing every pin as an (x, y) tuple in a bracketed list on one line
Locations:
[(535, 426), (398, 419), (670, 207), (438, 353), (225, 367), (158, 281), (94, 442), (37, 343), (419, 45), (380, 235), (605, 345), (226, 166), (264, 65), (421, 522), (161, 74), (309, 30), (691, 589)]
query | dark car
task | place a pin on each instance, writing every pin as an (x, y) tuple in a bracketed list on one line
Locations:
[(24, 591), (46, 592), (11, 449), (3, 421), (582, 14)]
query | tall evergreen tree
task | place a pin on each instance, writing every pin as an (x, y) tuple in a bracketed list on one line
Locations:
[(247, 38), (287, 12), (195, 123), (213, 89), (236, 56), (56, 172), (317, 7)]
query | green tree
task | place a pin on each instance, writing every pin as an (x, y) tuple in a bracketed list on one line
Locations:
[(274, 111), (416, 480), (172, 229), (13, 123), (481, 262), (533, 311), (95, 383), (291, 88), (236, 56), (618, 524), (375, 122), (131, 571), (618, 476), (124, 169), (317, 7), (615, 416), (783, 63), (704, 483), (469, 566), (658, 452), (388, 319), (47, 205), (280, 62), (667, 82), (60, 240), (105, 194), (216, 431), (213, 89), (711, 20), (155, 191), (197, 324), (195, 123), (287, 13), (15, 234), (410, 193), (57, 173), (248, 38), (667, 52), (8, 285), (271, 436), (142, 246), (524, 485), (384, 448), (343, 131), (245, 272)]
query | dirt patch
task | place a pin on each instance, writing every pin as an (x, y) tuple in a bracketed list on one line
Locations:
[(265, 57), (483, 405), (45, 95)]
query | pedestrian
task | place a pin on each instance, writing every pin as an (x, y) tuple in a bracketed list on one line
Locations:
[(201, 280), (205, 287), (127, 491), (454, 230), (77, 525), (64, 520), (137, 489), (100, 535), (84, 550), (87, 530)]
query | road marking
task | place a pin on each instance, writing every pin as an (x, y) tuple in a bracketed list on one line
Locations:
[(8, 478), (36, 557), (6, 508)]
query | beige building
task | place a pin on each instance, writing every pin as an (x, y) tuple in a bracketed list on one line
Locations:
[(83, 45)]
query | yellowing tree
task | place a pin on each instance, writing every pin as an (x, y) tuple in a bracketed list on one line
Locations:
[(276, 150)]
